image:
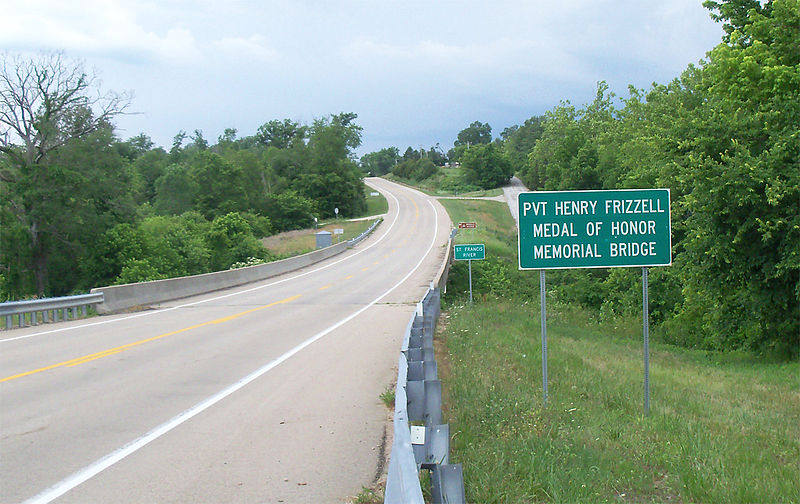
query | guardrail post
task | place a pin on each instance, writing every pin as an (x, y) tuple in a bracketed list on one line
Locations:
[(447, 484)]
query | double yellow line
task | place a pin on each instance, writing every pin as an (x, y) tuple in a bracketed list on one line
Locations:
[(112, 351)]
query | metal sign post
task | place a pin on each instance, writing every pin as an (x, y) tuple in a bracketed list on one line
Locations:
[(542, 291), (646, 334), (469, 263), (595, 229)]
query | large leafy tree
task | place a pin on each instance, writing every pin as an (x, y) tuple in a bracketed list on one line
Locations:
[(220, 185), (743, 183), (333, 179), (380, 162), (47, 103), (486, 166), (518, 141), (281, 134), (474, 134)]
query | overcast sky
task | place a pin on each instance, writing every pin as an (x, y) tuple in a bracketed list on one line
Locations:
[(415, 72)]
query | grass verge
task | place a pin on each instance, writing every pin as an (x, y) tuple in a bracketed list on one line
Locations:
[(376, 205), (292, 243), (722, 427)]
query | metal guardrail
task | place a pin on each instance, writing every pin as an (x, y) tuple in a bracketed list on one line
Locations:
[(355, 241), (421, 441), (28, 312)]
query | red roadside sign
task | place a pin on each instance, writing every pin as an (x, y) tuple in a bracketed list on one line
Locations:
[(467, 225)]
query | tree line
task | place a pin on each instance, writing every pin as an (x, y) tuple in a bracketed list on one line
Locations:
[(724, 137), (81, 208)]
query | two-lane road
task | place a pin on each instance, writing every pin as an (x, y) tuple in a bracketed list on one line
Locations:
[(264, 393)]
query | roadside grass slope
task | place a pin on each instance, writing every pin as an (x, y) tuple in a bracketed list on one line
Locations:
[(722, 427)]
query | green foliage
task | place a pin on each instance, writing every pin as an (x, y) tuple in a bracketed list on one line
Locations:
[(148, 167), (281, 134), (380, 162), (220, 184), (175, 191), (416, 169), (289, 210), (486, 166), (724, 138), (230, 240), (518, 141), (138, 270), (333, 180), (57, 208), (477, 133)]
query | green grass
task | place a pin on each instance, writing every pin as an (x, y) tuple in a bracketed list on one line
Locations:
[(387, 397), (376, 205), (292, 243), (495, 223), (368, 496), (722, 427)]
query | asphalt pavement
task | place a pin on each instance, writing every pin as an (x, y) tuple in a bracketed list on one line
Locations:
[(264, 393)]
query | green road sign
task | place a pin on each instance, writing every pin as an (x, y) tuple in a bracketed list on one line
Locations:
[(594, 229), (469, 252)]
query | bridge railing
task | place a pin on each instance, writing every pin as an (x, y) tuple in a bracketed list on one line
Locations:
[(421, 441), (36, 311)]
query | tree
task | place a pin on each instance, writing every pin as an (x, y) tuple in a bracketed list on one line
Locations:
[(518, 141), (474, 134), (281, 134), (743, 185), (735, 14), (231, 240), (175, 191), (437, 155), (380, 162), (220, 185), (332, 178), (46, 102), (486, 166), (289, 210), (148, 167)]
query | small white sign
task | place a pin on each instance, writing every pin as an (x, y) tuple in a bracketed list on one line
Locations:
[(338, 231), (417, 434), (373, 194)]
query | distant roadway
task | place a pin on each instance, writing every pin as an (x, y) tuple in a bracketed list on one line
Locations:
[(264, 393)]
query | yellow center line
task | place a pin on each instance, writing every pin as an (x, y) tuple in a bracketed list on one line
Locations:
[(364, 269), (348, 277), (122, 348), (326, 287)]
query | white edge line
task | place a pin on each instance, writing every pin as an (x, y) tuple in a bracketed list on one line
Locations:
[(112, 458), (237, 293)]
